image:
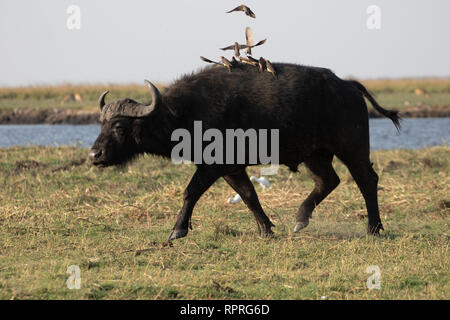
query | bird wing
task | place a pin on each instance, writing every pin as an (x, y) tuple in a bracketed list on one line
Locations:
[(240, 46), (249, 36), (253, 59), (249, 12), (260, 43), (249, 39), (240, 8), (207, 60), (228, 48)]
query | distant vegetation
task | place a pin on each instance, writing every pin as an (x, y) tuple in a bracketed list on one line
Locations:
[(53, 96), (57, 210), (400, 94)]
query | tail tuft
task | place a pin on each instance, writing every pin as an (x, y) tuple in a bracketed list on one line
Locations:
[(394, 116), (391, 114)]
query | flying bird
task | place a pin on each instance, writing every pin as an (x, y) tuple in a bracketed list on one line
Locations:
[(234, 46), (238, 47), (245, 9)]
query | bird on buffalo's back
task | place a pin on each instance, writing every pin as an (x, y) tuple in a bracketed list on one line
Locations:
[(249, 60), (226, 63), (270, 68), (208, 61), (262, 64)]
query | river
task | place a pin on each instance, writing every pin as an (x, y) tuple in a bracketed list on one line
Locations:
[(416, 133)]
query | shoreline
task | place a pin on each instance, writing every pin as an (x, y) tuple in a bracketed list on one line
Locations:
[(71, 116)]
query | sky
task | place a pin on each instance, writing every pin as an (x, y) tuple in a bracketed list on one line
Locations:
[(128, 41)]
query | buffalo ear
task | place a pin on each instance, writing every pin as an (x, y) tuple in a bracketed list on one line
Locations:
[(137, 132), (173, 112)]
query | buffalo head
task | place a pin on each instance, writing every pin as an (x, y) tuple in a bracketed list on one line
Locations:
[(121, 126)]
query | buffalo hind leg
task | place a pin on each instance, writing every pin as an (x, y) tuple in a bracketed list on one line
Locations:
[(326, 180), (367, 180), (240, 182), (202, 179)]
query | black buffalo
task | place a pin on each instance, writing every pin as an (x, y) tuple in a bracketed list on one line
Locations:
[(318, 115)]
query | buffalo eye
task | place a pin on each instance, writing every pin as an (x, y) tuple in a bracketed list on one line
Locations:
[(119, 129)]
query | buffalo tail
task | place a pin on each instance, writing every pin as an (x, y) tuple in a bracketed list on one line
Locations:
[(391, 114)]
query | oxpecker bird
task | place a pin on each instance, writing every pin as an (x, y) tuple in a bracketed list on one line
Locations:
[(245, 9), (270, 68), (226, 63)]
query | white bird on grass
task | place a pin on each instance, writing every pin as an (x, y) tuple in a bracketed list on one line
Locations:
[(262, 181), (237, 198)]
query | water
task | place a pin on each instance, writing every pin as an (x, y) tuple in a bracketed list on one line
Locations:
[(416, 133), (48, 135)]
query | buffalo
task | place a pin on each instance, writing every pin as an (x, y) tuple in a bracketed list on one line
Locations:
[(317, 114)]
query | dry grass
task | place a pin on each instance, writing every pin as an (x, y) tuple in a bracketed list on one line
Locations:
[(58, 211), (432, 85), (52, 96)]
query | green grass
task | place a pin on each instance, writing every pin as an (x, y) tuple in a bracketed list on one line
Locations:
[(398, 94), (56, 211)]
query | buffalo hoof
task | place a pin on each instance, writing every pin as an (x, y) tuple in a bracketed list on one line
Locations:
[(265, 230), (300, 225), (176, 234), (375, 229), (266, 234)]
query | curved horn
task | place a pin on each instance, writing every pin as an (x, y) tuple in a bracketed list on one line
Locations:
[(156, 99), (101, 100)]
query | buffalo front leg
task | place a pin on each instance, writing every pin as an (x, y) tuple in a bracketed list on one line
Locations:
[(203, 178), (240, 182)]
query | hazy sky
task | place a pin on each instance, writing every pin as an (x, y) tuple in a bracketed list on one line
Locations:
[(127, 41)]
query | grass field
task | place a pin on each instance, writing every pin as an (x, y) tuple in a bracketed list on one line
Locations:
[(57, 211), (398, 94)]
